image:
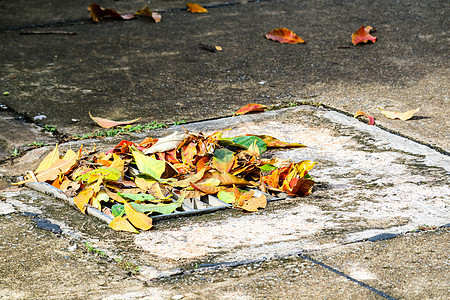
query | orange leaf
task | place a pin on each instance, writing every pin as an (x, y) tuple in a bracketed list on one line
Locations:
[(121, 224), (284, 35), (251, 107), (362, 35), (361, 113), (188, 153), (254, 203), (300, 186), (105, 123), (195, 8), (273, 179), (398, 115), (145, 11), (97, 13), (138, 219)]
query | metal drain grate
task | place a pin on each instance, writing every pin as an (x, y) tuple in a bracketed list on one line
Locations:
[(191, 206)]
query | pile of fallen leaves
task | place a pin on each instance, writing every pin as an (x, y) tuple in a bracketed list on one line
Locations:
[(132, 181)]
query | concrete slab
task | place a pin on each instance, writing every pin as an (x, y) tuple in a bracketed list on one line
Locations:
[(369, 181)]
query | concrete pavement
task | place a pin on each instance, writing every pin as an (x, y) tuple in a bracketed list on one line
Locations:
[(368, 180)]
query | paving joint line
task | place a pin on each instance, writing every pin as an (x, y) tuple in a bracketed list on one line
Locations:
[(436, 148)]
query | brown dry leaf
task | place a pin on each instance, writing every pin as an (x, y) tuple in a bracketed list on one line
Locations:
[(226, 178), (114, 196), (195, 8), (207, 189), (145, 11), (121, 224), (138, 219), (399, 115), (285, 36), (97, 13), (105, 123)]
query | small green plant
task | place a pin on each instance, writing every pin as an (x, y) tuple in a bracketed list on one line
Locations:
[(120, 130), (91, 248), (37, 144), (425, 228), (15, 152), (50, 128), (179, 122), (127, 266)]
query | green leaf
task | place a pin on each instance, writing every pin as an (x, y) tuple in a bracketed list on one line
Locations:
[(118, 210), (223, 160), (228, 143), (109, 174), (247, 141), (137, 197), (267, 168), (148, 165), (227, 197), (158, 208)]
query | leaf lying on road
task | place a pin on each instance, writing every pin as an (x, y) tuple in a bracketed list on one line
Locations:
[(195, 8), (251, 107), (105, 123), (361, 113), (98, 13), (145, 11), (285, 36), (362, 35), (398, 115)]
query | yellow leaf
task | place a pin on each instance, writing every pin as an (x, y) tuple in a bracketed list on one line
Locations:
[(398, 115), (121, 224), (59, 166), (118, 164), (83, 198), (49, 160), (138, 219)]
